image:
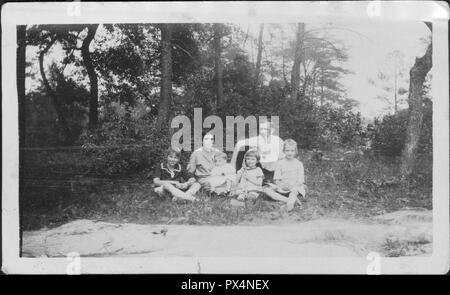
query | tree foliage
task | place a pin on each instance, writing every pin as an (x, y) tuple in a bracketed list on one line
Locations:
[(211, 68)]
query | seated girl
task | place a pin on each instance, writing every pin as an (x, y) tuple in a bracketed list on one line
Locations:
[(201, 164), (169, 177), (249, 177), (289, 177)]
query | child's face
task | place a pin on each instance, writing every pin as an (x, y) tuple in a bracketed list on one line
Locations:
[(220, 161), (172, 160), (251, 161), (290, 152)]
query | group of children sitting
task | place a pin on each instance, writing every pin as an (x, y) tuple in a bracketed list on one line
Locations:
[(208, 169)]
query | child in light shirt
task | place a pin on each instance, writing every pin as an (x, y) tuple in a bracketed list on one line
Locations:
[(250, 177), (222, 176), (289, 177)]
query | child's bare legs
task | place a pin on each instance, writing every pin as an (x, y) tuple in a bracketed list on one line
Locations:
[(292, 199), (192, 191), (177, 193), (274, 195)]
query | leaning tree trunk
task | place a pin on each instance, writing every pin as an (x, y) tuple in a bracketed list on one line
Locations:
[(417, 74), (57, 103), (258, 62), (295, 75), (218, 64), (166, 75), (20, 75), (93, 95)]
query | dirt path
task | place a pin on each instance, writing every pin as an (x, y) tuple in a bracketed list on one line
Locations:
[(395, 234)]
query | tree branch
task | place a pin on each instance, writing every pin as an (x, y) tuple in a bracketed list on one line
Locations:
[(41, 65), (326, 41), (182, 49)]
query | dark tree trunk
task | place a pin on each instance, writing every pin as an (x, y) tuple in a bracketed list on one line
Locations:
[(166, 75), (283, 67), (258, 61), (93, 95), (417, 75), (305, 78), (217, 63), (57, 103), (313, 86), (295, 76), (20, 75)]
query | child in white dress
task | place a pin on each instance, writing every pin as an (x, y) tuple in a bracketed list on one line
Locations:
[(223, 175), (289, 177)]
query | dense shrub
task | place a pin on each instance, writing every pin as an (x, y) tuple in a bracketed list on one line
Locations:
[(390, 134), (42, 127), (339, 126), (127, 141)]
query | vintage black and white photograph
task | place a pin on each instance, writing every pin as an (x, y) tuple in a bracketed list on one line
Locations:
[(276, 140)]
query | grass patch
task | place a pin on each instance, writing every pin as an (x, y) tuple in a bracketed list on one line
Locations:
[(343, 185), (395, 248)]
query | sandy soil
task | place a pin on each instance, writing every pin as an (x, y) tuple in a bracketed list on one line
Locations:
[(400, 233)]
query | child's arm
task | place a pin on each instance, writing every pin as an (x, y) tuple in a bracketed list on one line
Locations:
[(189, 179), (277, 173), (239, 175), (260, 178), (192, 165), (301, 176), (230, 173), (229, 184)]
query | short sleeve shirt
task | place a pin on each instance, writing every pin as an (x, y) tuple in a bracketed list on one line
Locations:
[(250, 178), (201, 162)]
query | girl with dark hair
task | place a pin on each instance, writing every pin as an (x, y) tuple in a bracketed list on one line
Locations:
[(201, 164)]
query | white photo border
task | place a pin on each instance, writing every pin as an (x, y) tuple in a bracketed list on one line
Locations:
[(14, 14)]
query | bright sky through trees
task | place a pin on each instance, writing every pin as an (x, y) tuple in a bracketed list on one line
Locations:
[(367, 42)]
